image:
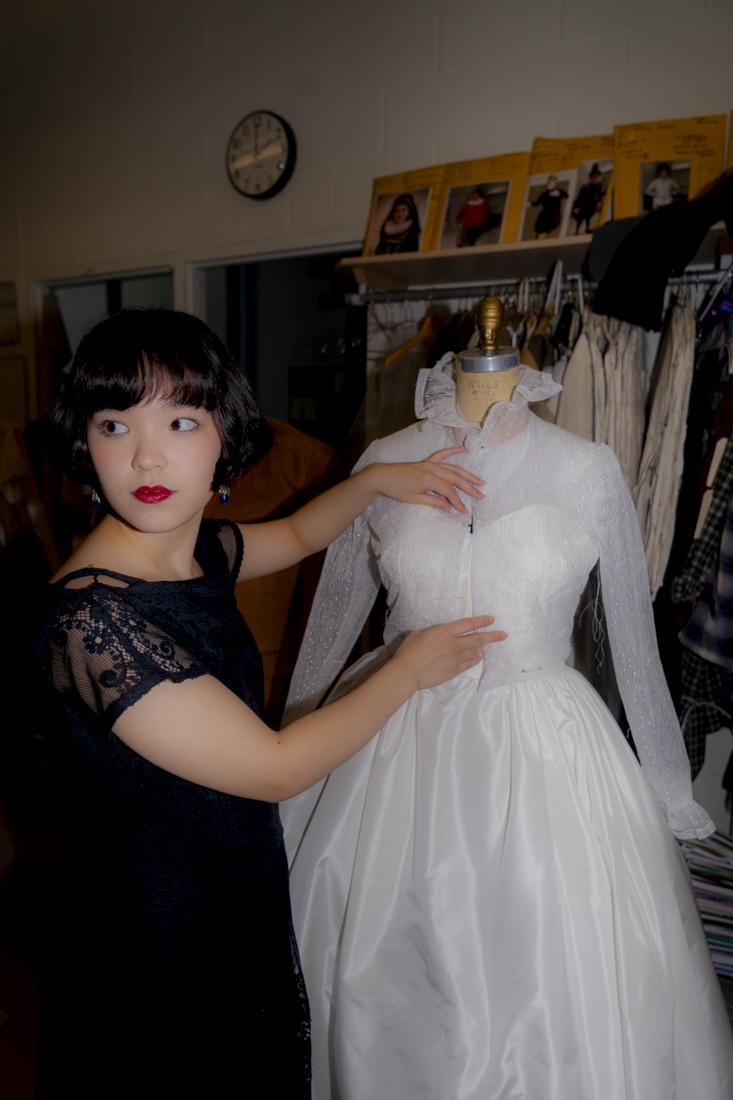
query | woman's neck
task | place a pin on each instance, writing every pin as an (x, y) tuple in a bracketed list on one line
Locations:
[(477, 391), (151, 556)]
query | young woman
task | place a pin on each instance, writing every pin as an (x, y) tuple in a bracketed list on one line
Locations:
[(173, 970)]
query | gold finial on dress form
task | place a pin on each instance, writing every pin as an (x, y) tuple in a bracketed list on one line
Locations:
[(490, 319)]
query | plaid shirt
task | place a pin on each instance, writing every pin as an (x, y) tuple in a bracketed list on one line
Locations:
[(709, 631), (703, 555), (704, 704)]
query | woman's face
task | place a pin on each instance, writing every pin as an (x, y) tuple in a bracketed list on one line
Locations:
[(155, 462), (401, 212)]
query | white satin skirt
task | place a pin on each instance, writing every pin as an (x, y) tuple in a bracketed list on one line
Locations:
[(490, 906)]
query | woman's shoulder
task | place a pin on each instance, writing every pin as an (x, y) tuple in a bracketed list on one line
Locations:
[(84, 611), (99, 643), (81, 602)]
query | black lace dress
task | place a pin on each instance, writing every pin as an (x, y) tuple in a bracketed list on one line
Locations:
[(173, 969)]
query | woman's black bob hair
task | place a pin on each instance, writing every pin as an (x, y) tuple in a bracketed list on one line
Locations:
[(137, 354)]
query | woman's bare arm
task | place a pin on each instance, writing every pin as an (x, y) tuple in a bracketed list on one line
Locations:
[(203, 732)]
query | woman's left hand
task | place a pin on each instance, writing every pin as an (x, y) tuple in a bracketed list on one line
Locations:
[(433, 482)]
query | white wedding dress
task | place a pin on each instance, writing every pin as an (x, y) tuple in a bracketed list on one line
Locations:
[(489, 901)]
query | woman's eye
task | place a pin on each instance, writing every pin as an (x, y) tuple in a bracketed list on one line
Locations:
[(184, 424), (113, 427)]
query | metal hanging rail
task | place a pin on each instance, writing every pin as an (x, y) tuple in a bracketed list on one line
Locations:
[(444, 292), (365, 296)]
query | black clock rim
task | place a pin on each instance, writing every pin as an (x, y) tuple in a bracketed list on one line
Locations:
[(289, 162)]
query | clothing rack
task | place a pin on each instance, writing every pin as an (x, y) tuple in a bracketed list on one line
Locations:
[(366, 295)]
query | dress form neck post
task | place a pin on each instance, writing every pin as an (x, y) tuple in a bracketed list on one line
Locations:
[(477, 393), (487, 374)]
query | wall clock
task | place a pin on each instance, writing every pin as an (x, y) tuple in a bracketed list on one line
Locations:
[(261, 155)]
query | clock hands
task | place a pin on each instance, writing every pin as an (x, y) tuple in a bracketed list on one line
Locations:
[(272, 149)]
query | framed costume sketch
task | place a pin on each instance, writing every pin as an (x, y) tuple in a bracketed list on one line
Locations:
[(547, 205), (402, 212), (480, 201), (568, 187), (665, 162)]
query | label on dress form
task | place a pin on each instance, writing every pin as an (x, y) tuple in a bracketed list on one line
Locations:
[(476, 393)]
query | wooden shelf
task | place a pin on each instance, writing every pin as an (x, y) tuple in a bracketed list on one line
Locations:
[(484, 263), (462, 266)]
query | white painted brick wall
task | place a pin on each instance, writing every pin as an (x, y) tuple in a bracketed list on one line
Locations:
[(116, 114)]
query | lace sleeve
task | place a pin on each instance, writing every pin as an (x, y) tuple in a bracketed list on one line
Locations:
[(346, 592), (104, 655), (644, 691)]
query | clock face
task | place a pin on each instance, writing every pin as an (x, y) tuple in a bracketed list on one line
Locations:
[(261, 155)]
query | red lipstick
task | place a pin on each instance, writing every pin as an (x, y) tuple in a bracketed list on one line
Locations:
[(152, 494)]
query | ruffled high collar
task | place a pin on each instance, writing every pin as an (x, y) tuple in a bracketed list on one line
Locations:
[(435, 400)]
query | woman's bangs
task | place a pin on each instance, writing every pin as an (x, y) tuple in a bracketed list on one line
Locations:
[(147, 379), (175, 383)]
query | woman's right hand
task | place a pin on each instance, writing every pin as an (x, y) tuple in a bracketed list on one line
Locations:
[(438, 653)]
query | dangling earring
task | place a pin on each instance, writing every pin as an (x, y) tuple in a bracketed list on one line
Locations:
[(96, 499), (223, 494)]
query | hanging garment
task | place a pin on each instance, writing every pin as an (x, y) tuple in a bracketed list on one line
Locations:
[(709, 631), (701, 691), (660, 468), (657, 246), (603, 394), (625, 395), (706, 704), (575, 402), (688, 585), (391, 379), (489, 902), (709, 423), (400, 337), (707, 664)]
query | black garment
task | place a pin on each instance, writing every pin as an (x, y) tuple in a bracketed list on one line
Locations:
[(689, 676), (705, 703), (173, 969), (550, 215), (587, 203), (659, 245), (406, 241)]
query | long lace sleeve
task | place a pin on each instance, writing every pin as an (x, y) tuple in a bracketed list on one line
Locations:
[(346, 592), (628, 607)]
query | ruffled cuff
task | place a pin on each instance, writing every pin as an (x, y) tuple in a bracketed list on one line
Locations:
[(689, 821)]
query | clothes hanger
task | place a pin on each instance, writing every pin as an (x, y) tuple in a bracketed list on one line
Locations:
[(429, 328)]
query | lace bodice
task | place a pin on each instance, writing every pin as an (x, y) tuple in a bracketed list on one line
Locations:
[(555, 505), (106, 639)]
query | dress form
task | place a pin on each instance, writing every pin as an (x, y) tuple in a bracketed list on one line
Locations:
[(489, 373), (487, 900)]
